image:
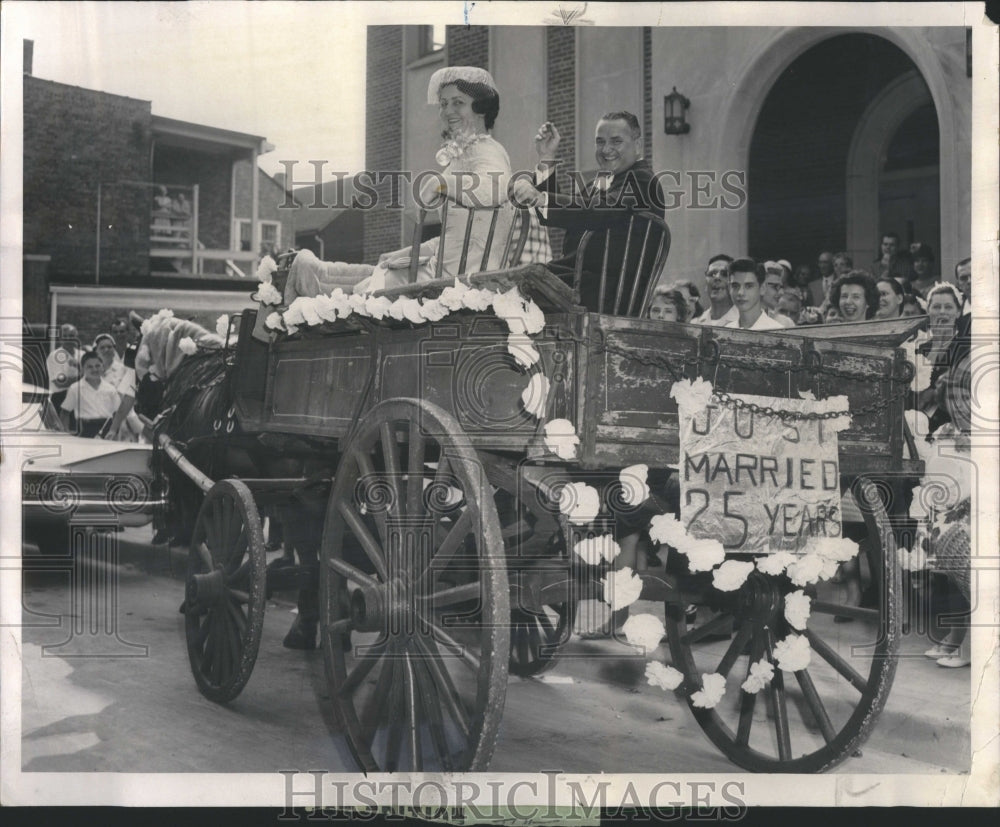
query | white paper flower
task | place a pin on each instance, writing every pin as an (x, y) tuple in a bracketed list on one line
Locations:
[(478, 300), (265, 270), (622, 588), (792, 654), (222, 325), (644, 631), (452, 297), (509, 306), (811, 568), (797, 609), (760, 676), (357, 302), (434, 310), (703, 554), (302, 310), (535, 395), (342, 303), (775, 563), (667, 529), (579, 502), (187, 346), (376, 307), (593, 550), (274, 322), (561, 438), (267, 293), (534, 318), (731, 575), (635, 491), (713, 687), (838, 549), (665, 677), (522, 349), (692, 395)]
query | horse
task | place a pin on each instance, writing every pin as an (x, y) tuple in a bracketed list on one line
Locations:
[(185, 391)]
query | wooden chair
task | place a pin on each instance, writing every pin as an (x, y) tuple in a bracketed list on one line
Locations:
[(516, 237), (642, 224)]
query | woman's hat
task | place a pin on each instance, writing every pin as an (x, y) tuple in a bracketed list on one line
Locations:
[(470, 74)]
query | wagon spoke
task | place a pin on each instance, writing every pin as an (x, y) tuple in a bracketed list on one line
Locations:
[(748, 700), (218, 529), (206, 556), (226, 538), (368, 543), (239, 619), (455, 594), (239, 548), (376, 703), (844, 610), (446, 687), (816, 704), (216, 647), (231, 642), (390, 456), (836, 661), (203, 631), (717, 624), (240, 575), (779, 706), (415, 471), (240, 596), (351, 573), (365, 664), (366, 470), (428, 695), (342, 626), (394, 731), (440, 635), (411, 713), (451, 542), (736, 648)]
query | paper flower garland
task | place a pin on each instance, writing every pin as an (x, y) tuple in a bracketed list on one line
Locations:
[(187, 346), (621, 588), (536, 395), (760, 676), (594, 550), (267, 293), (793, 653), (797, 609), (731, 575), (713, 687), (579, 502), (561, 438), (635, 490)]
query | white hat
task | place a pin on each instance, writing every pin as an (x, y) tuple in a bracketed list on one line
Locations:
[(449, 74)]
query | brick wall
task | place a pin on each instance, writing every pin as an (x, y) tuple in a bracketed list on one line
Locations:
[(383, 141), (271, 196), (74, 139), (561, 105), (468, 46)]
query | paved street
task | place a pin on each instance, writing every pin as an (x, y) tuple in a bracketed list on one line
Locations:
[(140, 711)]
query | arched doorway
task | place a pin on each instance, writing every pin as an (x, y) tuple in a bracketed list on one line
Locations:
[(817, 175)]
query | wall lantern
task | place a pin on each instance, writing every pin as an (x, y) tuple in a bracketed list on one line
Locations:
[(674, 114)]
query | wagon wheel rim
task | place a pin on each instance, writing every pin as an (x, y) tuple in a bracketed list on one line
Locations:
[(537, 637), (413, 595), (225, 591), (812, 719)]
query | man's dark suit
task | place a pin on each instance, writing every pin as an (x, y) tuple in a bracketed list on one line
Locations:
[(631, 190)]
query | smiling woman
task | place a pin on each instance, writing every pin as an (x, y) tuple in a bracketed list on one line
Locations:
[(855, 296)]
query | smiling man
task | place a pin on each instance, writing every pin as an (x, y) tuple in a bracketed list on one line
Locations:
[(745, 280), (721, 310), (623, 184)]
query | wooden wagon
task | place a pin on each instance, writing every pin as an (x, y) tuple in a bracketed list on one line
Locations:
[(446, 561)]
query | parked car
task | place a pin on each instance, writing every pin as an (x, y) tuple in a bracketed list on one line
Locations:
[(68, 481)]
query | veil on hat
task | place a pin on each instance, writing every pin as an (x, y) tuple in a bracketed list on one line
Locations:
[(449, 74)]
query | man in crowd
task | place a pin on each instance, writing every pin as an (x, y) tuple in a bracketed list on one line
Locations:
[(63, 364), (721, 310), (963, 278), (624, 184), (745, 280), (820, 288), (774, 282)]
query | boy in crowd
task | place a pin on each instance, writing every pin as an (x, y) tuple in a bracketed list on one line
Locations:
[(91, 400)]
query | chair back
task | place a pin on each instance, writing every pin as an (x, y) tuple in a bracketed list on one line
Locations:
[(513, 242), (643, 257)]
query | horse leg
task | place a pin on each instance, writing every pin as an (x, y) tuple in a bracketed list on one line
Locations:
[(302, 533)]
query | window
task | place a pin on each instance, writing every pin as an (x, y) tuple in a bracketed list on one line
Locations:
[(432, 39), (270, 234)]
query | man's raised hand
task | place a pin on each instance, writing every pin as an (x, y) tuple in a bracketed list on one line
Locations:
[(547, 141)]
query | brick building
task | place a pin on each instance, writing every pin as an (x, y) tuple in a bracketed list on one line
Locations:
[(93, 163), (802, 139)]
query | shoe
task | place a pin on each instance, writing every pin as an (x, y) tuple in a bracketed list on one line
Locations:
[(940, 650), (955, 661), (302, 635)]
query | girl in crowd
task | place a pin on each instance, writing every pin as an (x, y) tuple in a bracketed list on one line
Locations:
[(912, 306), (125, 425), (890, 299), (944, 305), (692, 296), (923, 277), (855, 296), (669, 305)]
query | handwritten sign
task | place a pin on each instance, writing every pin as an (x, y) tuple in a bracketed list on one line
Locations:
[(756, 482)]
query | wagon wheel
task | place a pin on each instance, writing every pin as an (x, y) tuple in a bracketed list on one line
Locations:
[(809, 720), (224, 595), (414, 602)]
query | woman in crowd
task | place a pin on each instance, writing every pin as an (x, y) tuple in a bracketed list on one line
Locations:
[(944, 306), (890, 298), (476, 172), (912, 306), (923, 277), (125, 425), (669, 305), (692, 296), (855, 296)]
